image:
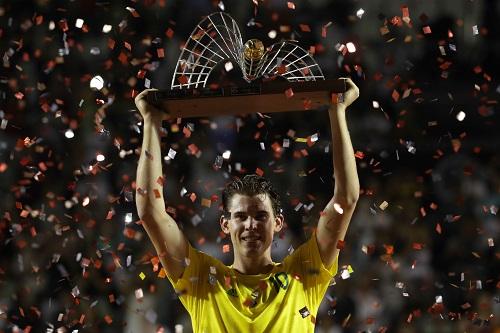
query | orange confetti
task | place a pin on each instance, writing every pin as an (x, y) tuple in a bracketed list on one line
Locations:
[(162, 274), (282, 69), (193, 149), (335, 98), (438, 228), (169, 33), (110, 215), (290, 5), (183, 79), (395, 95), (418, 246), (389, 249), (157, 193), (141, 74), (226, 248), (259, 172), (289, 93), (160, 53), (427, 30), (305, 28), (340, 244), (108, 319)]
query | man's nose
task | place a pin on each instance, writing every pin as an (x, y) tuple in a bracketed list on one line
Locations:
[(251, 223)]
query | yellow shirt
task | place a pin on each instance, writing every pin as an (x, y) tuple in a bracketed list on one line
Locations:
[(220, 299)]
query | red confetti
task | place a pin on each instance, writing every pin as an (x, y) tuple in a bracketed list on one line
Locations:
[(183, 79), (259, 172), (282, 69), (169, 33), (289, 93)]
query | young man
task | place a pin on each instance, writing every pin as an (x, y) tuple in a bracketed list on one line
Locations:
[(254, 294)]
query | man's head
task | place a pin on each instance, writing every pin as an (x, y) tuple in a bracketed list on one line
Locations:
[(252, 214)]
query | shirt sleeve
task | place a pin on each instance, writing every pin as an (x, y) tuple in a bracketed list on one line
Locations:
[(316, 276), (190, 285)]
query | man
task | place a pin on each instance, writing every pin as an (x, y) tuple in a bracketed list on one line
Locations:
[(254, 294)]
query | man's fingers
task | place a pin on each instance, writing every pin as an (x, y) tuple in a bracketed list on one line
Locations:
[(351, 86), (143, 94)]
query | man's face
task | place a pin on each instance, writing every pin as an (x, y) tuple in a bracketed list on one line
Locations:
[(251, 224)]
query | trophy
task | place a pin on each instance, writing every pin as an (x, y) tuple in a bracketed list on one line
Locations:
[(289, 79)]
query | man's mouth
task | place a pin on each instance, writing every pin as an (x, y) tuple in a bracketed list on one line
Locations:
[(251, 238)]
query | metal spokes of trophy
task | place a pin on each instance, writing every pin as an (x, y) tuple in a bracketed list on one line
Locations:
[(217, 39)]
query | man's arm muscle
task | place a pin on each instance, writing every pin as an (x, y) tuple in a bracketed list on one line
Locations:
[(336, 216), (167, 238)]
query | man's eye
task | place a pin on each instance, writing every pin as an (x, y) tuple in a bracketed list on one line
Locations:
[(261, 217), (240, 217)]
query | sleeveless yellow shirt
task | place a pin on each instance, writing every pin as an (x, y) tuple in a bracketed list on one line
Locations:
[(220, 299)]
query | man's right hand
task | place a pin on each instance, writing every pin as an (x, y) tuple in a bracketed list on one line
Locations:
[(147, 110)]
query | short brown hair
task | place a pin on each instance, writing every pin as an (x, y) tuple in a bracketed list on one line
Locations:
[(251, 185)]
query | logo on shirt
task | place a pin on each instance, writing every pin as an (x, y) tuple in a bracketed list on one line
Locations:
[(279, 281)]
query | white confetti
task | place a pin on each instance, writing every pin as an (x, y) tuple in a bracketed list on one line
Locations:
[(345, 274), (79, 23), (461, 116), (350, 47), (338, 208), (97, 82), (171, 153), (106, 28), (228, 66), (475, 30), (139, 294)]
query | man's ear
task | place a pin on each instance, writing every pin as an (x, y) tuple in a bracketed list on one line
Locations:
[(224, 224), (279, 222)]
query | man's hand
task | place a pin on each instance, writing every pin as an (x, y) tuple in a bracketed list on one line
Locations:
[(147, 110), (351, 94)]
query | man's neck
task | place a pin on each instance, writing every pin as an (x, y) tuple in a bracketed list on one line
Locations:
[(253, 266)]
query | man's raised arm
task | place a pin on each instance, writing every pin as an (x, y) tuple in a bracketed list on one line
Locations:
[(335, 218), (163, 231)]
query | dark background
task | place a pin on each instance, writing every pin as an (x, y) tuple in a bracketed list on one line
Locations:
[(69, 260)]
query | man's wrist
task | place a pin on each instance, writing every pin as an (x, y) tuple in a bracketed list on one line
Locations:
[(151, 120), (338, 107)]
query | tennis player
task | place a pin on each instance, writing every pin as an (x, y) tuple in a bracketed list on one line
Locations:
[(254, 294)]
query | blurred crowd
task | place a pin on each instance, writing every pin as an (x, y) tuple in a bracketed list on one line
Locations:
[(421, 253)]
